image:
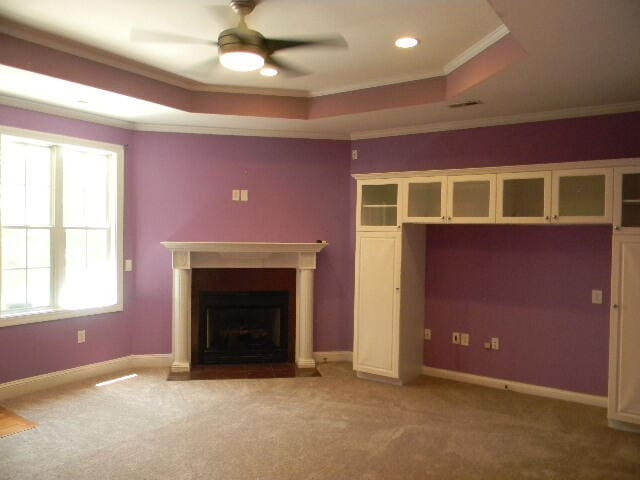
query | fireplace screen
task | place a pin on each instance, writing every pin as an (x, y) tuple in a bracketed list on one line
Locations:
[(244, 327)]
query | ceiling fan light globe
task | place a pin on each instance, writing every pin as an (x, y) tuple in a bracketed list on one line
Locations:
[(242, 61), (268, 72)]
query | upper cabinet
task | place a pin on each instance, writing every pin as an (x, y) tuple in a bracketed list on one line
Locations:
[(626, 200), (378, 205), (524, 197), (471, 198), (425, 199), (582, 195)]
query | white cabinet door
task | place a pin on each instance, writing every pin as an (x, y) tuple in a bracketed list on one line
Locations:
[(471, 198), (377, 205), (425, 199), (376, 312), (624, 348), (582, 195), (626, 200), (524, 197)]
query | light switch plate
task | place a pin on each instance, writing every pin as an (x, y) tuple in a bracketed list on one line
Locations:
[(235, 195), (596, 297), (244, 195), (427, 334), (128, 265), (464, 339), (82, 336)]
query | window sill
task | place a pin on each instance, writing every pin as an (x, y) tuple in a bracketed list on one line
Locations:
[(9, 320)]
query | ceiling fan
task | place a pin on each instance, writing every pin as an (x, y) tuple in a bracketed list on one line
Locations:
[(244, 50)]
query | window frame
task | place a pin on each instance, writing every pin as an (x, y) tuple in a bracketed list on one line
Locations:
[(57, 313)]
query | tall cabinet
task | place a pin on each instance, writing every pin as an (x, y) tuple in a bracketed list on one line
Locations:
[(624, 337), (389, 288)]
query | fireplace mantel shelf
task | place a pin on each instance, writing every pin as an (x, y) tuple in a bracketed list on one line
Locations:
[(189, 255), (246, 247)]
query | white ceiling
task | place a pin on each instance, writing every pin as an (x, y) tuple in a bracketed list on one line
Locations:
[(582, 58)]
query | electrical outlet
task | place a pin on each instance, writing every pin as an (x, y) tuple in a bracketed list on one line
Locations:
[(455, 338), (82, 336), (128, 265), (596, 297), (427, 334), (235, 195), (464, 339), (495, 343), (244, 195), (487, 345)]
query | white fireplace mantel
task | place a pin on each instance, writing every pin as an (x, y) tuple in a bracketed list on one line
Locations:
[(189, 255)]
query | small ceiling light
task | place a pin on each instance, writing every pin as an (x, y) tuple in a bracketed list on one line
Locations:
[(241, 61), (268, 72), (406, 42)]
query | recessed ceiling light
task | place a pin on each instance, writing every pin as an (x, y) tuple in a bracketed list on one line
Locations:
[(407, 42), (268, 72)]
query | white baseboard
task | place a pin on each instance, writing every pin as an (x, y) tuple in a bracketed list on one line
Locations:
[(152, 360), (337, 356), (556, 393), (23, 386)]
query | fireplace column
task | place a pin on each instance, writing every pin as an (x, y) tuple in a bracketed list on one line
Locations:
[(304, 317), (181, 315)]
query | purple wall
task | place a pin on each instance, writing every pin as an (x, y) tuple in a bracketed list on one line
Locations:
[(530, 286), (178, 187), (27, 350), (298, 192)]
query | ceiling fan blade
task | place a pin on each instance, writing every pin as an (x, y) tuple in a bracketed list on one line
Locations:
[(285, 67), (204, 69), (273, 45), (139, 35)]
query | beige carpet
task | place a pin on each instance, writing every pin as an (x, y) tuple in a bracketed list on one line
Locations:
[(329, 427)]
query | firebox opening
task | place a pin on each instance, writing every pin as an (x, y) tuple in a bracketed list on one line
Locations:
[(244, 327)]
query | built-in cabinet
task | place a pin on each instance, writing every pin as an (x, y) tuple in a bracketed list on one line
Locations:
[(624, 336), (389, 304), (389, 287), (627, 200)]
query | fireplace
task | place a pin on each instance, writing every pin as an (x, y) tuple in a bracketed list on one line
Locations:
[(190, 257), (244, 327)]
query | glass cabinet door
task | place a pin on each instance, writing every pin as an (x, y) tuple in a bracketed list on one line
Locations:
[(378, 205), (425, 200), (524, 197), (582, 196), (627, 199), (471, 199)]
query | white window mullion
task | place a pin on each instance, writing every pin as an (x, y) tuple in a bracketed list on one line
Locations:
[(58, 237)]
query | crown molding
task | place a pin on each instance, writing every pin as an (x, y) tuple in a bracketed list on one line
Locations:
[(501, 120), (475, 49), (164, 128), (241, 132), (66, 112)]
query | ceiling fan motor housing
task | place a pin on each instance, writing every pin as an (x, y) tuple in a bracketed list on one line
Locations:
[(231, 40), (242, 7)]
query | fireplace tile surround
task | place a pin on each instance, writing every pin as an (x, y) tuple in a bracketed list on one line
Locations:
[(187, 256)]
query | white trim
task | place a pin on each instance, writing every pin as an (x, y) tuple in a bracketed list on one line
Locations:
[(45, 381), (333, 356), (238, 132), (151, 360), (566, 113), (536, 167), (548, 392), (477, 48)]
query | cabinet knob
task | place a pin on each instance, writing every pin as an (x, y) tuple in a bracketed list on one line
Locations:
[(547, 217), (616, 227), (555, 217), (443, 217), (397, 289), (615, 305), (450, 218)]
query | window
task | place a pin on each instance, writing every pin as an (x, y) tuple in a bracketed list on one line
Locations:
[(61, 227)]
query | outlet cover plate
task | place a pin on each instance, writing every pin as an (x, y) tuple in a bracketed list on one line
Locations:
[(427, 334), (455, 338), (464, 339)]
